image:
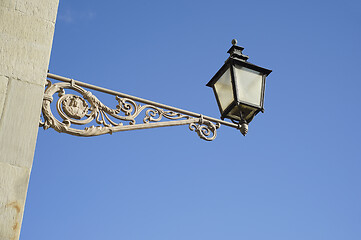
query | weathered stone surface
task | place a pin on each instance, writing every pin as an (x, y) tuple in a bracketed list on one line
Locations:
[(13, 181), (26, 33), (19, 122), (44, 9), (3, 87), (8, 4), (24, 49)]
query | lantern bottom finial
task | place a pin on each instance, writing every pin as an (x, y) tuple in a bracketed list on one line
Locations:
[(244, 129)]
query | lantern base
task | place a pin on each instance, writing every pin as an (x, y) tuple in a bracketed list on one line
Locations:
[(240, 113)]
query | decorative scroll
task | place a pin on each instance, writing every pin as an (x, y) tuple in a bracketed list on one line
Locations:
[(85, 108)]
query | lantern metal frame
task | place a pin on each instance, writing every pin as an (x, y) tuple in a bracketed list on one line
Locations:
[(237, 58)]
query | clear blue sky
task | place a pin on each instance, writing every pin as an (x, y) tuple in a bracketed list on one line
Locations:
[(295, 176)]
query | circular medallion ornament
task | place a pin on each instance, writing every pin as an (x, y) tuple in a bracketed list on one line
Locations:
[(75, 106)]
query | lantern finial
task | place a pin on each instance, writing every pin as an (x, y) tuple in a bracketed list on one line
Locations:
[(236, 51)]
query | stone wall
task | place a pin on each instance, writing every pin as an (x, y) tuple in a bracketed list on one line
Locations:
[(26, 35)]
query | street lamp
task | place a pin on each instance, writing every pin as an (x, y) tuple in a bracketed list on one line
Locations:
[(239, 88)]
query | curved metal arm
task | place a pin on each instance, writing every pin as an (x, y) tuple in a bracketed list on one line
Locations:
[(84, 107)]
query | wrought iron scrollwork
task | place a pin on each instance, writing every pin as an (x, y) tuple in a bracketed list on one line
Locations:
[(84, 108)]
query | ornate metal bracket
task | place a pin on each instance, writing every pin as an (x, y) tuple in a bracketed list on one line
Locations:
[(82, 108)]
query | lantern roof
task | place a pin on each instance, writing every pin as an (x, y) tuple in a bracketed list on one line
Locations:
[(237, 58)]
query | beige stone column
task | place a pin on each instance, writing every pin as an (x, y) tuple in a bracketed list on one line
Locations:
[(26, 35)]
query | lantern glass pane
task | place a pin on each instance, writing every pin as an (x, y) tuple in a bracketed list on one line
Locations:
[(224, 89), (249, 85)]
